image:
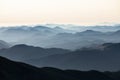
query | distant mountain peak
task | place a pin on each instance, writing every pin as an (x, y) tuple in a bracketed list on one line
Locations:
[(91, 31), (21, 45), (57, 27), (41, 27), (4, 44), (111, 46), (24, 46)]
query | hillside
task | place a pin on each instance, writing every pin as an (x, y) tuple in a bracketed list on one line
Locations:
[(10, 70)]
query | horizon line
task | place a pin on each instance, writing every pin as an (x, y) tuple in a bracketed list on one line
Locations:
[(99, 24)]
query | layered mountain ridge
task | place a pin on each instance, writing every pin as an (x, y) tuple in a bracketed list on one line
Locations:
[(104, 57), (59, 37)]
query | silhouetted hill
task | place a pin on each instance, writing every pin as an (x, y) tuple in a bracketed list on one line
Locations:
[(10, 70), (24, 52), (115, 75), (105, 58)]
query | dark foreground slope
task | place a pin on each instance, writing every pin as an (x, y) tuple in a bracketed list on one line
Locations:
[(10, 70)]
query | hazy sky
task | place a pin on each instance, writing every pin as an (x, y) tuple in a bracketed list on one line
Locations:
[(83, 12)]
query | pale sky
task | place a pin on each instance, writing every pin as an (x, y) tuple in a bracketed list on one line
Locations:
[(83, 12)]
